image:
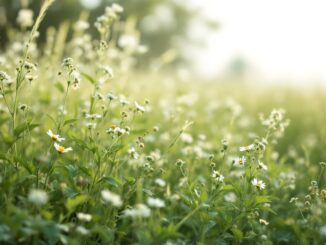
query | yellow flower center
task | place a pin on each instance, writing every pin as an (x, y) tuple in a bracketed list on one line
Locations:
[(61, 149), (113, 126), (54, 137)]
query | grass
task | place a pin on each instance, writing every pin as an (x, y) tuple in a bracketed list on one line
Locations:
[(154, 158)]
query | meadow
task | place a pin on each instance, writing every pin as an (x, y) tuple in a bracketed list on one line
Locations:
[(94, 150)]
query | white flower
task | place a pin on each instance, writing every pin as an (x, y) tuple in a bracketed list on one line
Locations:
[(259, 184), (84, 217), (241, 161), (230, 197), (217, 176), (160, 182), (140, 210), (91, 125), (61, 149), (133, 153), (5, 78), (25, 18), (262, 166), (111, 197), (117, 8), (186, 138), (247, 148), (139, 107), (54, 137), (263, 222), (155, 202), (93, 116), (38, 197), (117, 130), (82, 230), (81, 25)]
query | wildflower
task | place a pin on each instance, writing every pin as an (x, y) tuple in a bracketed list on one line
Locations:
[(82, 230), (54, 137), (117, 130), (259, 184), (160, 182), (61, 149), (5, 78), (38, 197), (76, 79), (117, 8), (139, 107), (247, 148), (217, 176), (140, 210), (111, 197), (22, 107), (230, 197), (91, 125), (263, 222), (93, 116), (81, 25), (262, 166), (110, 96), (293, 199), (241, 161), (186, 138), (155, 202), (25, 18), (133, 153), (108, 71), (323, 194), (84, 217)]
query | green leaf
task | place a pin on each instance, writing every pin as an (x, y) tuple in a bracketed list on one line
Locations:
[(74, 202), (69, 121), (88, 78), (227, 187), (237, 233), (23, 127), (111, 181), (60, 87), (261, 199)]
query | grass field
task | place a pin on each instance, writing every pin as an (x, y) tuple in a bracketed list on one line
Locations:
[(94, 150)]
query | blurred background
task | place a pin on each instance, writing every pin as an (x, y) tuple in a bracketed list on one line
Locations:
[(270, 41)]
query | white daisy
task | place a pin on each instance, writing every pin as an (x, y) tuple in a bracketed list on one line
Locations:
[(61, 149), (259, 184), (54, 137)]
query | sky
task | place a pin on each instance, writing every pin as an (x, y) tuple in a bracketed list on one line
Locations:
[(279, 39)]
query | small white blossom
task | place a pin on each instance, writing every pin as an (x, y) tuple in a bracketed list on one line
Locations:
[(262, 166), (160, 182), (111, 197), (263, 222), (38, 197), (140, 210), (55, 137), (25, 17), (61, 149), (93, 116), (155, 202), (241, 161), (259, 184), (139, 107), (217, 176), (84, 217), (133, 153), (247, 148), (82, 230)]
